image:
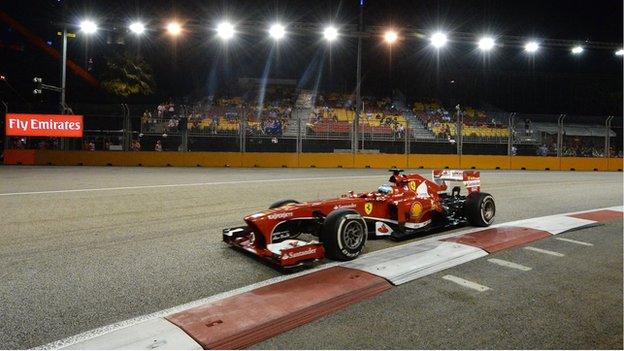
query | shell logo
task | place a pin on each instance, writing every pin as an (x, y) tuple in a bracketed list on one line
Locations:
[(368, 208), (416, 210), (412, 185)]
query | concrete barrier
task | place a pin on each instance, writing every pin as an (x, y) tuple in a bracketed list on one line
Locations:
[(306, 160)]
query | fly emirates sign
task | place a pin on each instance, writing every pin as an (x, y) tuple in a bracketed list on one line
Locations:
[(21, 124)]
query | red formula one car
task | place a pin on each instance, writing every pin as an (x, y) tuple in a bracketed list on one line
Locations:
[(290, 233)]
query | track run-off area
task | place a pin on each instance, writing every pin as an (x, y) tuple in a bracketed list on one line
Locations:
[(86, 247)]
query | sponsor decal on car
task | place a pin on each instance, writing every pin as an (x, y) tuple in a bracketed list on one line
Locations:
[(308, 251), (280, 215), (382, 229), (412, 185), (416, 210), (280, 235), (345, 206), (368, 208)]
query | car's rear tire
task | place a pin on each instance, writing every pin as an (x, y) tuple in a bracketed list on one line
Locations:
[(283, 202), (480, 209), (344, 234)]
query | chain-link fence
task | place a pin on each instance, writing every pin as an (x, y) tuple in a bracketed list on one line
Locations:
[(244, 128)]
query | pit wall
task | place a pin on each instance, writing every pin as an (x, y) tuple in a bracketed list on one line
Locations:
[(306, 160)]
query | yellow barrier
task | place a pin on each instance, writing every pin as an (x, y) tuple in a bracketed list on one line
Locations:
[(484, 162), (307, 160), (583, 164), (385, 161), (318, 160), (433, 161), (535, 163), (615, 164)]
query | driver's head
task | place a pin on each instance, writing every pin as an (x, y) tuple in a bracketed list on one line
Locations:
[(385, 189)]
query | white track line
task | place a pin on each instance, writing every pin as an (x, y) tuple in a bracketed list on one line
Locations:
[(186, 184), (466, 283), (548, 252), (509, 264), (575, 241)]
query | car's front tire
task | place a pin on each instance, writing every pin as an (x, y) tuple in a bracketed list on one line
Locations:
[(344, 234), (480, 209)]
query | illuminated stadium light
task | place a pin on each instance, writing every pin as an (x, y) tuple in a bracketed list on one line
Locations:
[(531, 47), (225, 30), (391, 37), (174, 28), (137, 28), (577, 50), (330, 33), (88, 27), (486, 43), (438, 40), (620, 52), (277, 31)]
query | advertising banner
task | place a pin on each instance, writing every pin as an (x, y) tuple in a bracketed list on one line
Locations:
[(26, 124)]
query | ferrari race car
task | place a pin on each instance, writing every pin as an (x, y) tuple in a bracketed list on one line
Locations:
[(290, 233)]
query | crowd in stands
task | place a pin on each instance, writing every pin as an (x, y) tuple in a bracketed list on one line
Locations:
[(443, 124)]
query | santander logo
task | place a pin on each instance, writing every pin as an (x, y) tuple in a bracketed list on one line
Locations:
[(305, 252)]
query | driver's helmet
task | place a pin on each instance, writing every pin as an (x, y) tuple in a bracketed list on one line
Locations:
[(385, 189)]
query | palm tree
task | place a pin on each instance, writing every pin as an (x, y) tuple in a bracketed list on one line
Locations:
[(126, 75)]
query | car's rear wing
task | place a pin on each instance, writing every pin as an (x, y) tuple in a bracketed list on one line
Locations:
[(471, 179)]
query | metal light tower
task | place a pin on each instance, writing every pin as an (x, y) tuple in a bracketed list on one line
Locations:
[(358, 85)]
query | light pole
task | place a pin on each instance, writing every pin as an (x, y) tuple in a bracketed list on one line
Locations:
[(63, 69), (358, 84)]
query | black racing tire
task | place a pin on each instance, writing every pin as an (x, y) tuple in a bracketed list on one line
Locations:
[(344, 234), (283, 202), (480, 209)]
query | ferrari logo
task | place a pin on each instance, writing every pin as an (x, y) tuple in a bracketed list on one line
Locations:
[(368, 208), (412, 185)]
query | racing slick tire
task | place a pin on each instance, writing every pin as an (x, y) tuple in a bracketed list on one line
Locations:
[(344, 234), (480, 209), (283, 202)]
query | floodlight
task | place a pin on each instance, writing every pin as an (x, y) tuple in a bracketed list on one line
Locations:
[(277, 31), (174, 28), (137, 28), (620, 52), (88, 27), (577, 50), (391, 37), (486, 43), (225, 30), (330, 33), (438, 40), (531, 47)]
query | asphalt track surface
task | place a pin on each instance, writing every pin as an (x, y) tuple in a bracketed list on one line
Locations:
[(84, 247)]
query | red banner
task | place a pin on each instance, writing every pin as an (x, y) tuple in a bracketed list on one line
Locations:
[(23, 124)]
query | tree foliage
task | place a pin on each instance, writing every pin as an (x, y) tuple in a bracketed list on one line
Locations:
[(126, 75)]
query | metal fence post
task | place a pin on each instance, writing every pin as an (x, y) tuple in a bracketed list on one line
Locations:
[(6, 138), (407, 137), (607, 136), (560, 135), (510, 130)]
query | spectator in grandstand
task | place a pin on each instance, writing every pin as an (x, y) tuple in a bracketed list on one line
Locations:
[(158, 146), (136, 145), (146, 118), (161, 110), (527, 126), (91, 145), (542, 150)]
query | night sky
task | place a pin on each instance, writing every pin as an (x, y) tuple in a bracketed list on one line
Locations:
[(197, 64)]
